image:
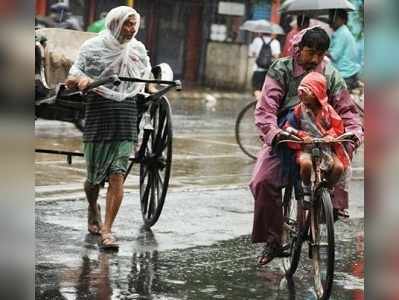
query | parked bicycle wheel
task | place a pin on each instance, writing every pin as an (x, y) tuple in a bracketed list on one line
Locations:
[(156, 164), (322, 245), (293, 221), (247, 135)]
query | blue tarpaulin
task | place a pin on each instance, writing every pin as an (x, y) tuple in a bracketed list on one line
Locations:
[(262, 10)]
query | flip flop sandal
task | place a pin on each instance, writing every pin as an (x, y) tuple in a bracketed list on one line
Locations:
[(92, 221), (343, 213), (108, 242), (267, 255)]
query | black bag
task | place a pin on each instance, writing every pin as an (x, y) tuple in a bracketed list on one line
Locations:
[(264, 59)]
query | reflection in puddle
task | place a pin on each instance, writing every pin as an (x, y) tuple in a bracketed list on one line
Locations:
[(225, 270), (101, 277)]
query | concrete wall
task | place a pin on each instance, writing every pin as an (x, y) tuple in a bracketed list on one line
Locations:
[(226, 65)]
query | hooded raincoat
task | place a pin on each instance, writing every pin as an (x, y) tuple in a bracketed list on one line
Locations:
[(325, 122), (279, 95)]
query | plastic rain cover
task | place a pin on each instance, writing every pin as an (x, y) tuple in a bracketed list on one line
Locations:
[(105, 55)]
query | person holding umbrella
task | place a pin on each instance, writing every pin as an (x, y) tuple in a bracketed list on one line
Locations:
[(265, 48)]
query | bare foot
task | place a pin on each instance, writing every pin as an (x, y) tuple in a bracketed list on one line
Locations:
[(94, 220)]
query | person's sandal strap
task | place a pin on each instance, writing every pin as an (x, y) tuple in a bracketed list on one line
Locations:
[(343, 213), (112, 245), (267, 255)]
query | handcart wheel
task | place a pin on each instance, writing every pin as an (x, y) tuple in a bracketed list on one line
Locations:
[(156, 162)]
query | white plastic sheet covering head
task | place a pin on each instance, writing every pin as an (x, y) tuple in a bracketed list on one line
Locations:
[(108, 54)]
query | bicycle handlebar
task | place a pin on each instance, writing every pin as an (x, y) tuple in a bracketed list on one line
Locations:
[(316, 141), (176, 83), (111, 79), (117, 80)]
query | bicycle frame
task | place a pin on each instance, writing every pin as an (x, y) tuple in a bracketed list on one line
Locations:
[(307, 222)]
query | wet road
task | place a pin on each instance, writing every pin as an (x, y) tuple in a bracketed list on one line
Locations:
[(200, 247)]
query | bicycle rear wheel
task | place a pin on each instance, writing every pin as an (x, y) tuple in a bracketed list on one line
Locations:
[(323, 244), (247, 136)]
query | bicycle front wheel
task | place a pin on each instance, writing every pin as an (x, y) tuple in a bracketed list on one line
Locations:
[(247, 136), (323, 244)]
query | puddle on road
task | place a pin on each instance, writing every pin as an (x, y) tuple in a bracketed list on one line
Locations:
[(225, 270)]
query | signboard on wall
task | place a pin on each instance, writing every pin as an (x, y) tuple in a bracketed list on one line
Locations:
[(231, 8)]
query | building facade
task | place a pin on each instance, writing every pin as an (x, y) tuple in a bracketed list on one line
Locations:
[(200, 39)]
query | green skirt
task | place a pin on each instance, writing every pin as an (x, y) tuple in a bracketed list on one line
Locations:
[(106, 158)]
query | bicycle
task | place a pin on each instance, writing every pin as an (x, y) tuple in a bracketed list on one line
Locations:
[(154, 122), (246, 133), (315, 225)]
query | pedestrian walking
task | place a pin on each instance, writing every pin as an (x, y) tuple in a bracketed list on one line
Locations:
[(110, 131)]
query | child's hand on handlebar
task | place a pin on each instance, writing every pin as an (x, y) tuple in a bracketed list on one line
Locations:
[(328, 139), (307, 139)]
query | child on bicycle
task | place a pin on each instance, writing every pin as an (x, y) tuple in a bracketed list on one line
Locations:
[(311, 118)]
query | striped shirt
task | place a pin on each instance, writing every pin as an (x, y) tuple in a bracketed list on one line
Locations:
[(108, 120)]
